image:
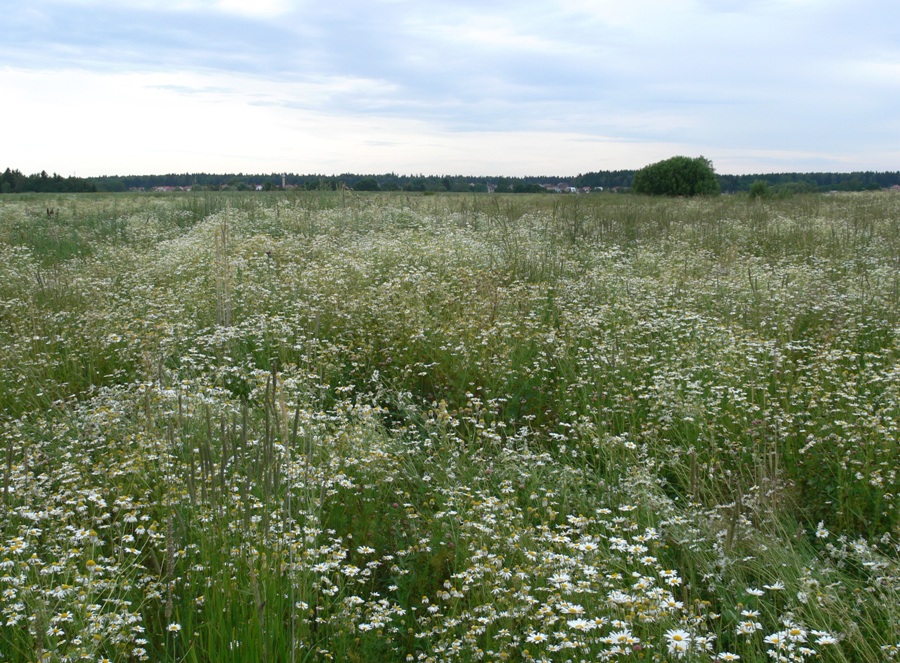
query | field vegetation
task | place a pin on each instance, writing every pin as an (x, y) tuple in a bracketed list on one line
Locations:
[(310, 426)]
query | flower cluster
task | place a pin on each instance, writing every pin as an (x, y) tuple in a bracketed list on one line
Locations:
[(438, 429)]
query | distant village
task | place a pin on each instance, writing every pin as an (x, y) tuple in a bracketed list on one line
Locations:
[(561, 187), (13, 181), (613, 181)]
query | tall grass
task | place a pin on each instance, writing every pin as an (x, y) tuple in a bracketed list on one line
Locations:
[(328, 426)]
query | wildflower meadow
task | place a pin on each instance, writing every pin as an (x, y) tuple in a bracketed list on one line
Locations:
[(335, 426)]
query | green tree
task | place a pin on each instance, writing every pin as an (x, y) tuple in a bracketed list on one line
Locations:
[(366, 184), (791, 188), (237, 184), (759, 189), (678, 176)]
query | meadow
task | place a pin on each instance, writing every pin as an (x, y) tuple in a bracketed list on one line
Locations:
[(338, 426)]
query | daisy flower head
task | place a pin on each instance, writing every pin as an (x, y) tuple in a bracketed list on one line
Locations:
[(823, 638), (779, 640), (622, 637), (796, 634), (570, 609), (678, 641), (581, 624), (748, 627)]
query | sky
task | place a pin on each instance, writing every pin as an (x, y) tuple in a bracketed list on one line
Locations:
[(447, 87)]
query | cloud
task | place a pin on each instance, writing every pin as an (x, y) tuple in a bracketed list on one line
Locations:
[(775, 76), (882, 72), (179, 123), (259, 8), (251, 8)]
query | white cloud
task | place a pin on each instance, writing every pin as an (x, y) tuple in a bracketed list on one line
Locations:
[(147, 123), (267, 8), (403, 82), (881, 72), (249, 8)]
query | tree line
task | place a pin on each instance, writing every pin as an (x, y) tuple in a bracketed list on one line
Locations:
[(358, 182), (813, 182), (608, 180), (13, 181)]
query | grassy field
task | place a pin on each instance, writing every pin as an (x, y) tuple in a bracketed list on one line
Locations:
[(308, 427)]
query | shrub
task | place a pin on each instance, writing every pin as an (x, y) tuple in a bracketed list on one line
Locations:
[(678, 176), (759, 189), (366, 184)]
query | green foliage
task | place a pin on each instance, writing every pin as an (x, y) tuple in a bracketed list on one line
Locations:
[(366, 184), (448, 426), (759, 189), (615, 180), (237, 184), (523, 187), (793, 188), (678, 176), (321, 184), (13, 181)]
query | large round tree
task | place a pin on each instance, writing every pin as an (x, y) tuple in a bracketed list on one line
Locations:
[(678, 176)]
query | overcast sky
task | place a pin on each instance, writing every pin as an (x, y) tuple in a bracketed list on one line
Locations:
[(486, 87)]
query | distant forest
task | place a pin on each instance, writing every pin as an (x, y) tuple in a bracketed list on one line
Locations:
[(13, 181), (383, 182)]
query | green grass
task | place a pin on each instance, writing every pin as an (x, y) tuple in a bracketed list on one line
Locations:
[(323, 426)]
